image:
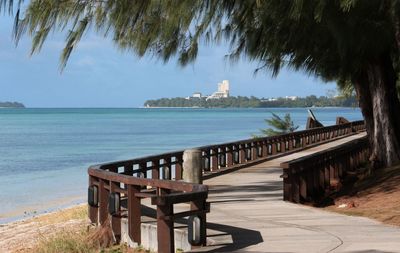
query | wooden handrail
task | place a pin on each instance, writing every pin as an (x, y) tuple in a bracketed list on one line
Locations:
[(313, 177), (130, 179)]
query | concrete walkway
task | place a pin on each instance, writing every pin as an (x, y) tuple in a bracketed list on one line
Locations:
[(249, 215)]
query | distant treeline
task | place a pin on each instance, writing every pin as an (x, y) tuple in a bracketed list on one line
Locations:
[(12, 105), (253, 102)]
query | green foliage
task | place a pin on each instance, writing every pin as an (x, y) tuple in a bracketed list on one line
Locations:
[(11, 105), (253, 102), (279, 125), (330, 39)]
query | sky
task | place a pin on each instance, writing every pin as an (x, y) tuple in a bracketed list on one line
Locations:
[(99, 75)]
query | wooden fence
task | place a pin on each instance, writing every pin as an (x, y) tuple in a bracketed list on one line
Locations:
[(116, 189), (313, 177)]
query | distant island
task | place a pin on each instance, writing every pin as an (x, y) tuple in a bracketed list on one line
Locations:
[(222, 99), (254, 102), (11, 105)]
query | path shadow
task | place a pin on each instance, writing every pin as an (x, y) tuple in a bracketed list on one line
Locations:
[(241, 238)]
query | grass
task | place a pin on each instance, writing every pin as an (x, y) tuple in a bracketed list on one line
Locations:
[(79, 212), (70, 241), (65, 241), (64, 231), (79, 238)]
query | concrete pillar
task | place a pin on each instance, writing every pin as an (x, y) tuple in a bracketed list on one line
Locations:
[(192, 166)]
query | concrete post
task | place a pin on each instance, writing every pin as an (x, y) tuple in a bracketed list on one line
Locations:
[(192, 166)]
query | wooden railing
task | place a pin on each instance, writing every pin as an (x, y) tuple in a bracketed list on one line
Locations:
[(233, 154), (115, 194), (159, 177), (313, 177)]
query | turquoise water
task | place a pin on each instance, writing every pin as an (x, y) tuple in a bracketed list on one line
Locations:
[(45, 152)]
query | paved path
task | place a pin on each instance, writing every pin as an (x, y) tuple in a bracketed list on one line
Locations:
[(249, 215)]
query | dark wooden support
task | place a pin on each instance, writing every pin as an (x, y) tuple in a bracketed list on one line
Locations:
[(214, 160), (116, 219), (264, 149), (178, 168), (242, 154), (165, 229), (155, 170), (290, 144), (229, 156), (287, 185), (283, 146), (134, 214), (200, 205), (295, 188), (142, 170), (273, 148), (254, 151), (103, 201), (93, 210), (302, 186)]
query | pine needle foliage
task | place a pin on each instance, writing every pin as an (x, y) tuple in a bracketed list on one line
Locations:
[(330, 39), (278, 125)]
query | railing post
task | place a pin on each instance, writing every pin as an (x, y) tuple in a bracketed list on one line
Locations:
[(166, 169), (295, 186), (199, 205), (143, 169), (214, 159), (229, 156), (165, 229), (128, 169), (192, 166), (264, 149), (178, 167), (287, 184), (283, 145), (134, 214), (290, 146), (103, 202), (242, 153), (93, 210), (304, 143), (254, 151), (116, 219), (273, 147), (155, 170), (302, 184)]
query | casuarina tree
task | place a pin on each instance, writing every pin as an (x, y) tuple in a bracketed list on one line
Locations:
[(278, 125), (355, 41)]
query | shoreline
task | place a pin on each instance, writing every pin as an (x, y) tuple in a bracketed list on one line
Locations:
[(25, 235), (31, 212), (202, 107)]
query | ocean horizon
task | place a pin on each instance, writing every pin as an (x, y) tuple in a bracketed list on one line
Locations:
[(46, 151)]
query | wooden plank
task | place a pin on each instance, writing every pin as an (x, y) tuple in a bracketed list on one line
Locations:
[(155, 170), (200, 205), (103, 202), (165, 229), (134, 214), (116, 219)]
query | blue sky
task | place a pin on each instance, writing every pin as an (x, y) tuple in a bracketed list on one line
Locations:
[(99, 75)]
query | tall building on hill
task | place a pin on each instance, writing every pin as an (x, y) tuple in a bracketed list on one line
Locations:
[(222, 92)]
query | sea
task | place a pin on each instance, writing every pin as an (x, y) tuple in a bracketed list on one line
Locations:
[(45, 153)]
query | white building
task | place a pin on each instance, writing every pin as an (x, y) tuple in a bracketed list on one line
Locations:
[(293, 98), (223, 91), (196, 95)]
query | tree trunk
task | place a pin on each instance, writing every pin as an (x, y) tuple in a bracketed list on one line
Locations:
[(376, 91)]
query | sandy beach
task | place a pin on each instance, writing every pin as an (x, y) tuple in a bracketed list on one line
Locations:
[(23, 235)]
